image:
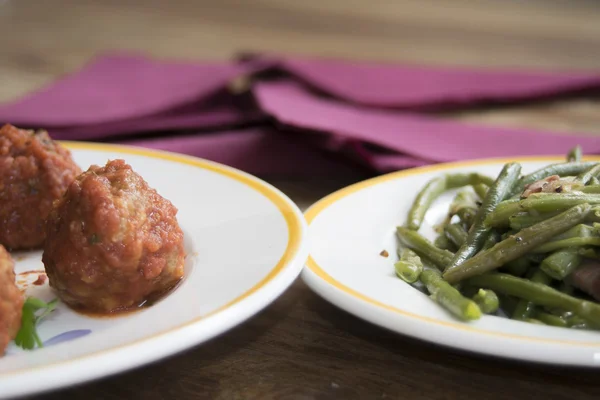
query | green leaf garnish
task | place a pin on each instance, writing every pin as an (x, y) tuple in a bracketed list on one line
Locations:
[(27, 337)]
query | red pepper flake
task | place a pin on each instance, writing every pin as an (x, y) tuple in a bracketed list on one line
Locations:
[(384, 253), (41, 279)]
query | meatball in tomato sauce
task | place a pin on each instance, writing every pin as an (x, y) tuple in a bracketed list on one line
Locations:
[(34, 172), (11, 301), (113, 241)]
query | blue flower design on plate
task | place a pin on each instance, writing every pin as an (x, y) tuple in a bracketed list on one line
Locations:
[(67, 336)]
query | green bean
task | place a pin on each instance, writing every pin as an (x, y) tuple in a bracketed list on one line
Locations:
[(433, 189), (587, 176), (526, 308), (566, 243), (525, 220), (456, 234), (467, 216), (562, 169), (594, 181), (487, 301), (517, 267), (550, 319), (481, 190), (551, 202), (507, 303), (534, 321), (448, 297), (590, 189), (578, 231), (423, 247), (442, 242), (523, 310), (561, 263), (517, 245), (589, 252), (463, 199), (574, 154), (576, 322), (538, 293), (497, 192), (409, 267), (500, 216), (493, 238), (566, 288)]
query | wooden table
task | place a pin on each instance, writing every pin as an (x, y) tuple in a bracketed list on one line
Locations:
[(301, 347)]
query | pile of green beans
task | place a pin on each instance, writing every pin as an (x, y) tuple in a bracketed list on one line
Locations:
[(510, 245)]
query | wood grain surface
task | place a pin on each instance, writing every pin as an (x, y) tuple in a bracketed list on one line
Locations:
[(301, 347)]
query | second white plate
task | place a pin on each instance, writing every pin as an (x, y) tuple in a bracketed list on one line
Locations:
[(348, 230)]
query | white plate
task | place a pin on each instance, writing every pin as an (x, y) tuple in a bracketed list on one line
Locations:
[(245, 245), (348, 230)]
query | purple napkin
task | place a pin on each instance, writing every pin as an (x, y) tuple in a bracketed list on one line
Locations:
[(119, 87), (420, 86), (258, 151), (415, 137), (219, 118), (287, 126)]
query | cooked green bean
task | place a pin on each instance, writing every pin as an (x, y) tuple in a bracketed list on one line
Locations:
[(517, 267), (578, 231), (493, 238), (534, 321), (517, 245), (551, 202), (525, 220), (538, 293), (467, 216), (497, 192), (566, 243), (576, 322), (587, 176), (500, 216), (574, 155), (481, 190), (594, 181), (591, 189), (456, 233), (409, 267), (463, 199), (487, 301), (525, 309), (442, 242), (566, 288), (561, 263), (550, 319), (423, 247), (562, 169), (448, 297), (434, 188), (589, 252)]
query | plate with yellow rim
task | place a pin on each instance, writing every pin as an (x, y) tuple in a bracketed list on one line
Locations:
[(350, 228), (244, 242)]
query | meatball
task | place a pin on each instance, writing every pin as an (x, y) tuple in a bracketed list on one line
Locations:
[(34, 171), (11, 301), (112, 241)]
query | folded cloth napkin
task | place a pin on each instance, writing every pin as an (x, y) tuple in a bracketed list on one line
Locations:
[(297, 112)]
